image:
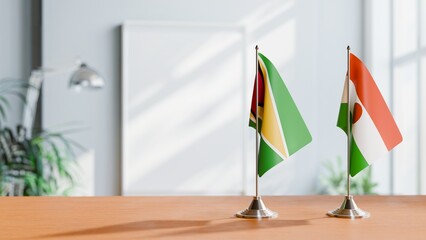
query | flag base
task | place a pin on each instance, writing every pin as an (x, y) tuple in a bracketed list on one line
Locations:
[(257, 209), (349, 209)]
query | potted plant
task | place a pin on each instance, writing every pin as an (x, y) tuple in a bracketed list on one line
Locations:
[(32, 166), (334, 180)]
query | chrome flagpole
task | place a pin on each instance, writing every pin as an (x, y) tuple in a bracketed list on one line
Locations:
[(348, 209), (257, 121), (257, 208)]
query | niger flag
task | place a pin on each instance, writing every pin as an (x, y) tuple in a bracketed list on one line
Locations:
[(282, 129), (374, 131)]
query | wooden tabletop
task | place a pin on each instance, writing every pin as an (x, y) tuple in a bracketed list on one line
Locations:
[(392, 217)]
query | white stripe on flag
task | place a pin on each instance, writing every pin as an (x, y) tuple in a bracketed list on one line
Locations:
[(366, 135), (344, 95)]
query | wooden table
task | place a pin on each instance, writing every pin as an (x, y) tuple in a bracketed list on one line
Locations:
[(395, 217)]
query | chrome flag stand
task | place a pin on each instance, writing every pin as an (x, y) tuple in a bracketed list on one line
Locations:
[(348, 209), (257, 208)]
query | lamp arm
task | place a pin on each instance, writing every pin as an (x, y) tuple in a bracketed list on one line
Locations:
[(84, 76), (47, 71), (33, 93), (31, 100)]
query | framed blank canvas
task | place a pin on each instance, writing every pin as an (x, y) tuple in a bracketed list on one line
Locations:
[(183, 109)]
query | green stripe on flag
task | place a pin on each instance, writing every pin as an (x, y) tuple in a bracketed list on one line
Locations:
[(358, 162), (267, 158), (295, 130), (342, 119), (253, 124)]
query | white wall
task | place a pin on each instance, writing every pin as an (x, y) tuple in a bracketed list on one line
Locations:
[(15, 47), (395, 60), (340, 23), (311, 56)]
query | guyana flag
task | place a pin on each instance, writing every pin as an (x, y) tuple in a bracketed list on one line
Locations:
[(281, 127), (374, 131)]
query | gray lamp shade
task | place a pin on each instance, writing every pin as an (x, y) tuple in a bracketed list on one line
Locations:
[(86, 77)]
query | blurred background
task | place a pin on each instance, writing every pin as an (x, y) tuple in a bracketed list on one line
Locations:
[(171, 114)]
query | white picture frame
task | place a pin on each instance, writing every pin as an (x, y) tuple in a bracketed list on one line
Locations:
[(197, 59)]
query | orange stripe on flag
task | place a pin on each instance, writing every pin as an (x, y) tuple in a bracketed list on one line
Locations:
[(372, 100)]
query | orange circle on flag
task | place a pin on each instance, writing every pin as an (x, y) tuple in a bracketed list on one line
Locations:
[(357, 112)]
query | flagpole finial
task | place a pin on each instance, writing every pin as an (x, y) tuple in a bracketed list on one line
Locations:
[(349, 48), (257, 47)]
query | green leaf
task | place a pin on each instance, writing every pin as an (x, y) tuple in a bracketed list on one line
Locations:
[(2, 113), (47, 160), (4, 101)]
